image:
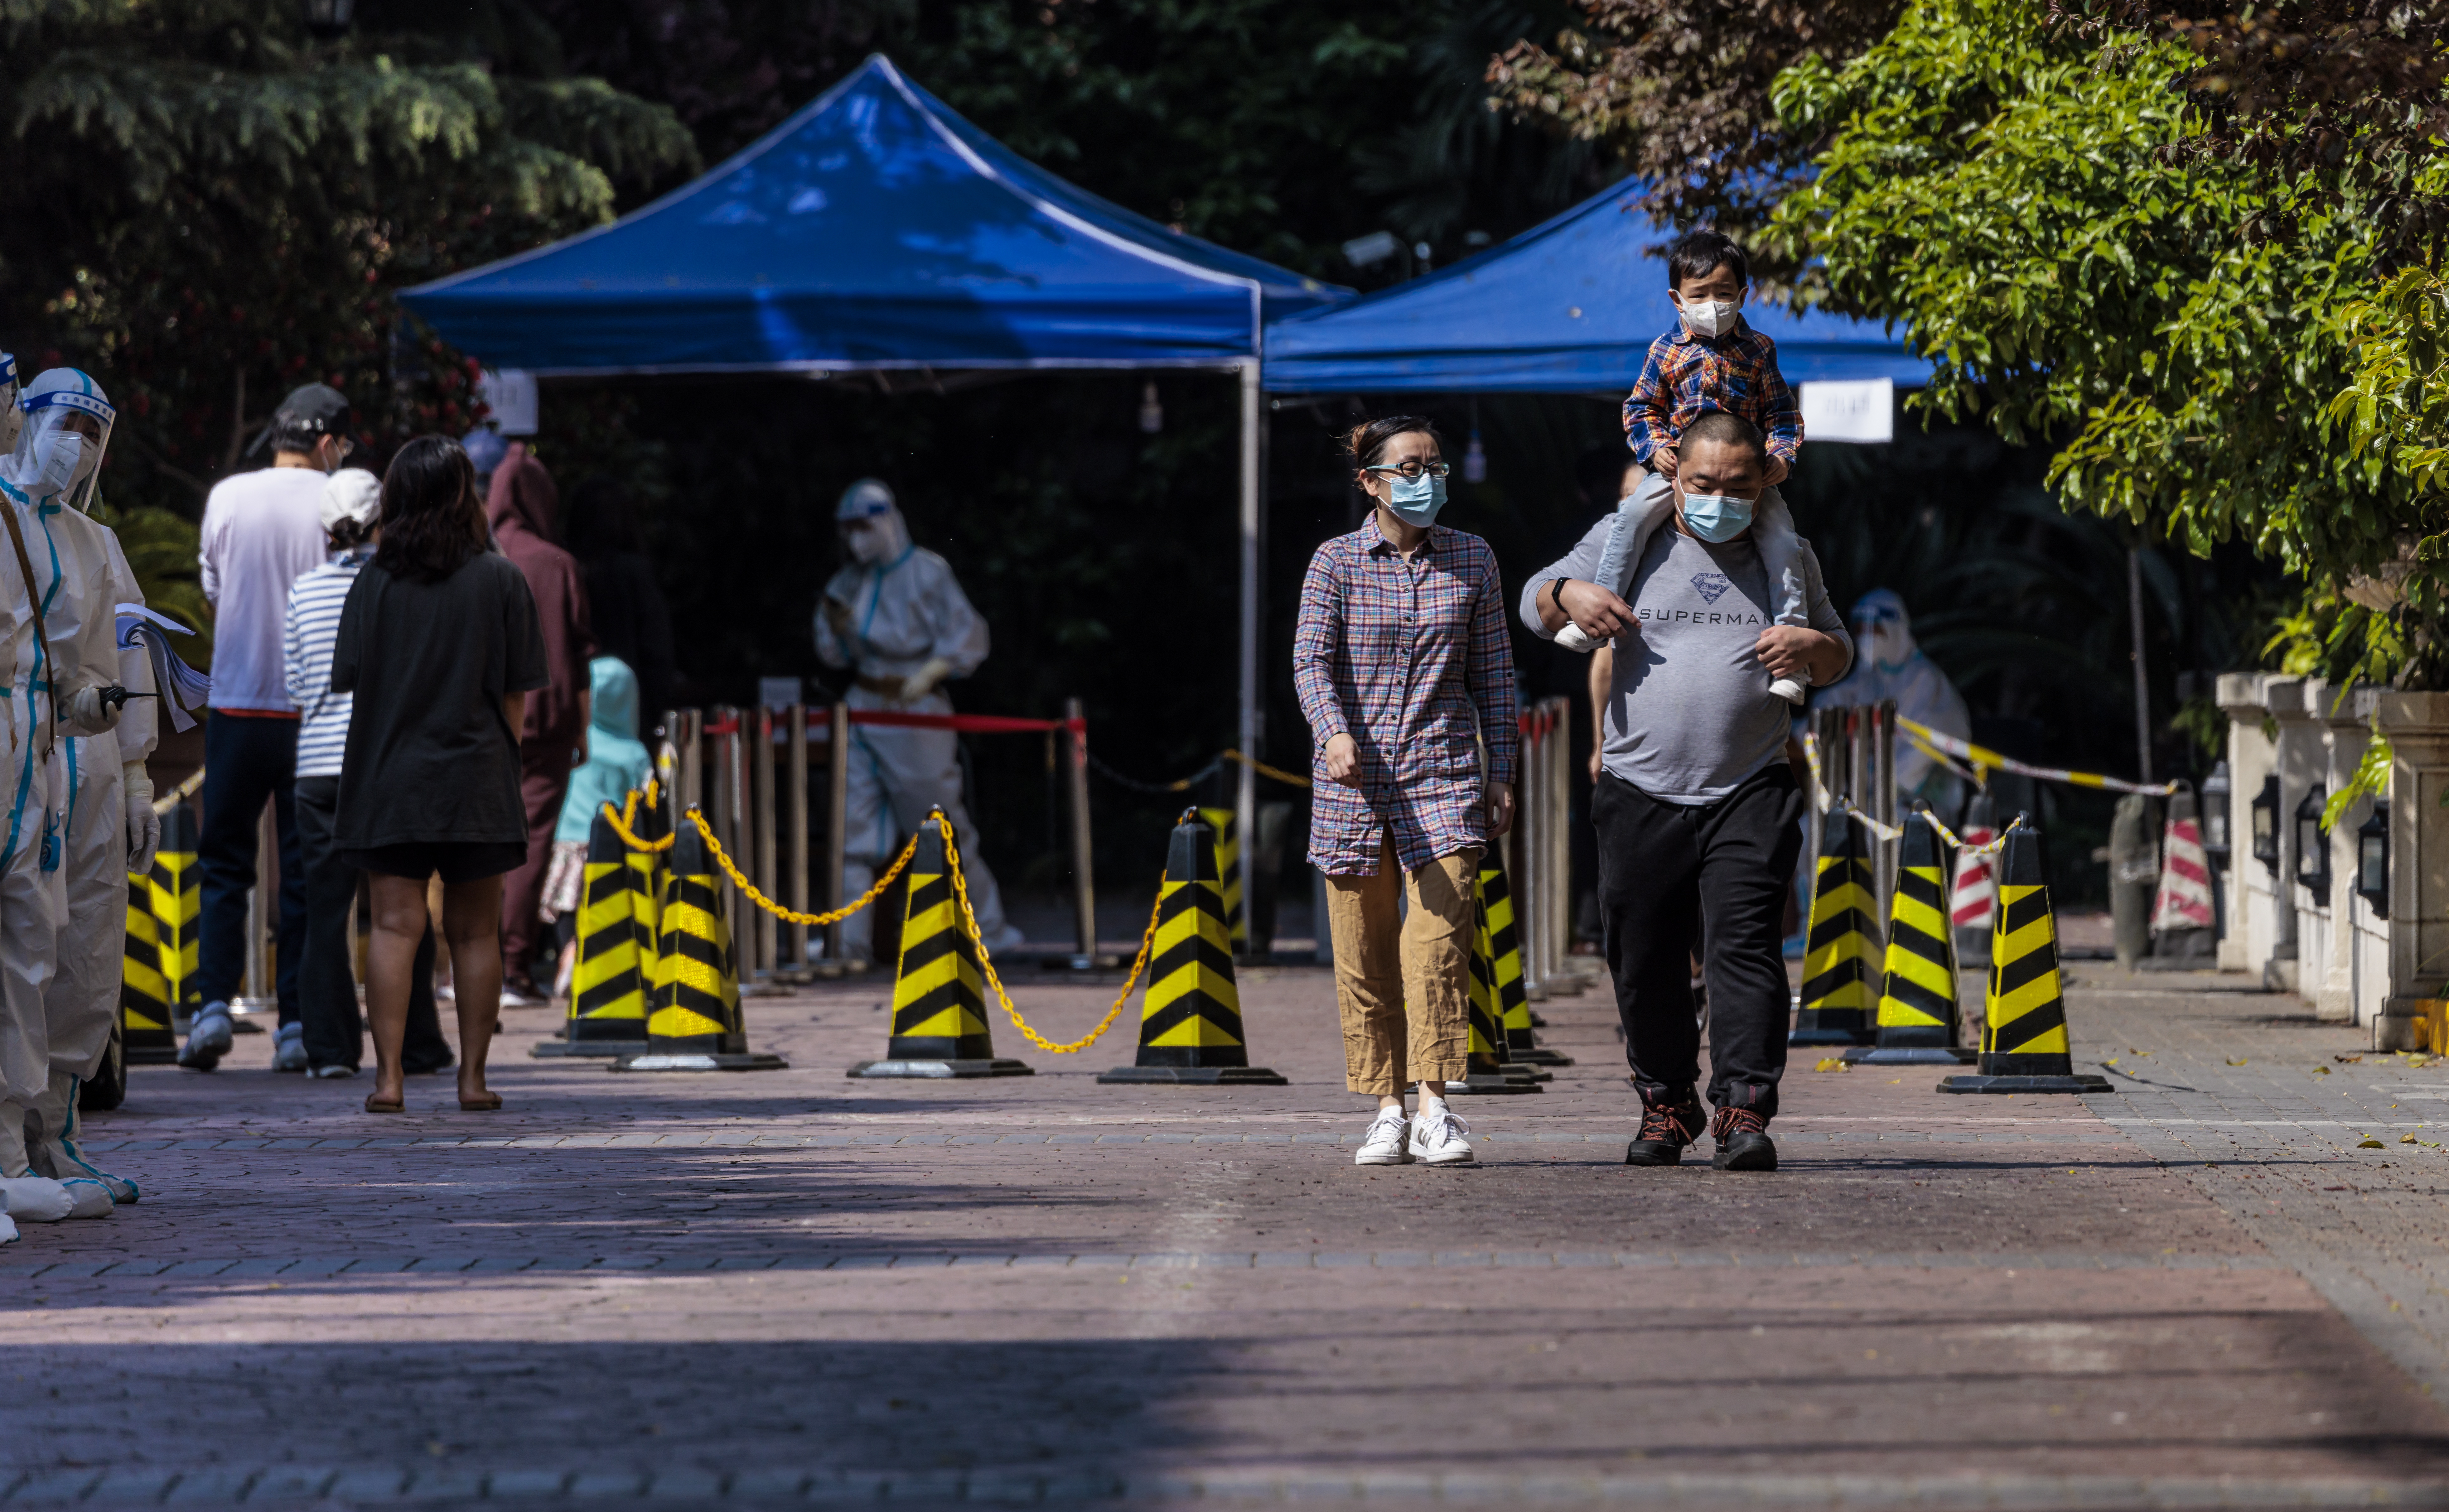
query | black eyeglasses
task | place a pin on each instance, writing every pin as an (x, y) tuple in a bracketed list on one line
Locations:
[(1414, 469)]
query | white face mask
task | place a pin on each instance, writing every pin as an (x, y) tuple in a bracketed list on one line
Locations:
[(1710, 317), (865, 541), (60, 461)]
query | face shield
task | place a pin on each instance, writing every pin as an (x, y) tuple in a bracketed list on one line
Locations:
[(1882, 634), (11, 418), (58, 456), (870, 523)]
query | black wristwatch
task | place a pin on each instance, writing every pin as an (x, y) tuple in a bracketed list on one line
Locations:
[(1557, 595)]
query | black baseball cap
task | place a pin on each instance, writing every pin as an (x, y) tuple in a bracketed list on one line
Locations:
[(318, 406)]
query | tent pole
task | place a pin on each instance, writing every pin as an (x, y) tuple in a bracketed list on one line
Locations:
[(1247, 723)]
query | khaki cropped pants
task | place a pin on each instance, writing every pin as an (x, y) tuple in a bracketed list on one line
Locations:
[(1403, 985)]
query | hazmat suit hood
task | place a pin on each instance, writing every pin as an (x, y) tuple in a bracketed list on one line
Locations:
[(870, 522), (1888, 664), (616, 760), (49, 463)]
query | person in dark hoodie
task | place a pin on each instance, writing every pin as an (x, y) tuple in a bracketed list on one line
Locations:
[(522, 508)]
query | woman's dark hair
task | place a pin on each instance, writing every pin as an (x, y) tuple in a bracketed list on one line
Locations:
[(431, 521), (1366, 443), (599, 519), (347, 535)]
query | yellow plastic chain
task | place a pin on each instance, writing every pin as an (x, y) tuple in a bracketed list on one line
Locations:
[(970, 922), (749, 890), (623, 818), (181, 793), (1291, 778)]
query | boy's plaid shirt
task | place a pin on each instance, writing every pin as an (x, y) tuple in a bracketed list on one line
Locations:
[(1414, 659), (1685, 376)]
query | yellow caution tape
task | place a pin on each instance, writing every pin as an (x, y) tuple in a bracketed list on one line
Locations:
[(970, 922), (1982, 756), (1889, 832)]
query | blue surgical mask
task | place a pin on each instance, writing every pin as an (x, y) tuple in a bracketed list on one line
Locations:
[(1717, 517), (1417, 500)]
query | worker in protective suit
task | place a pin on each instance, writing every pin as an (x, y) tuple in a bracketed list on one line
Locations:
[(895, 617), (1887, 664), (108, 822), (65, 666)]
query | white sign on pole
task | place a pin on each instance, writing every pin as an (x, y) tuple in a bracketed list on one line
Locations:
[(1863, 411), (511, 395)]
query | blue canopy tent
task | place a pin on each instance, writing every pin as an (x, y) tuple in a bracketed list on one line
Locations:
[(1570, 306), (874, 230)]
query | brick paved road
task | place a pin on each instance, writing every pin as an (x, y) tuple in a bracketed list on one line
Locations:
[(760, 1289)]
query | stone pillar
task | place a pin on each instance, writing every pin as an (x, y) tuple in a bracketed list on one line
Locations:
[(2244, 888), (2418, 727), (2301, 764), (2344, 738)]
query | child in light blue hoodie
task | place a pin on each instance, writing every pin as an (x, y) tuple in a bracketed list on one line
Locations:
[(616, 762)]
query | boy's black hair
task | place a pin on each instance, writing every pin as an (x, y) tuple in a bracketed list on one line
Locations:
[(1697, 253), (1727, 429)]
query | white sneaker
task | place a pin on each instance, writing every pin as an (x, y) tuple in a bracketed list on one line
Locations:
[(208, 1039), (1437, 1136), (1383, 1144)]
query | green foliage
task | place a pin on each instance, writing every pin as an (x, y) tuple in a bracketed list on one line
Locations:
[(205, 208), (2369, 781), (2015, 196)]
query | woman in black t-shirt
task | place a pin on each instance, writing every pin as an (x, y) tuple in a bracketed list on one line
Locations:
[(440, 645)]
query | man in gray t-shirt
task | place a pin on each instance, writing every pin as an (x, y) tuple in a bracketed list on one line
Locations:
[(1698, 815)]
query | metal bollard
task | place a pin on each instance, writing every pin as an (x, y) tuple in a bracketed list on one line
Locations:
[(1084, 887), (764, 810), (837, 826), (797, 778)]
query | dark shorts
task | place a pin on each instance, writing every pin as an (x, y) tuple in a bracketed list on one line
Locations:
[(457, 860)]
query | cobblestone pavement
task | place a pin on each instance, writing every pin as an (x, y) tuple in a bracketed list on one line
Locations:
[(761, 1290)]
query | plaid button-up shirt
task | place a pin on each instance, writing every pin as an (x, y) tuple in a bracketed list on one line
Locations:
[(1685, 376), (1412, 658)]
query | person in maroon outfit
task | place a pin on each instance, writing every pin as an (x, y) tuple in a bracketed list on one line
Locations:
[(522, 507)]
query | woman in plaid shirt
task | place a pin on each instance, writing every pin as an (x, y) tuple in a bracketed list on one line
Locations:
[(1406, 674)]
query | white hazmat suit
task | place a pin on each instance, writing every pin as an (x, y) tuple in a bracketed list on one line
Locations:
[(1887, 664), (895, 617), (56, 695), (108, 825)]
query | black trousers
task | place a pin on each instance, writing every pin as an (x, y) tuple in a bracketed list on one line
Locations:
[(327, 984), (247, 761), (1672, 877)]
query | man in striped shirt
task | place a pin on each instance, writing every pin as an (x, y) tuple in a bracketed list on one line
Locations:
[(329, 1042)]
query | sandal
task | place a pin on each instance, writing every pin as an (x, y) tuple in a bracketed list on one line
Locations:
[(379, 1104), (490, 1102)]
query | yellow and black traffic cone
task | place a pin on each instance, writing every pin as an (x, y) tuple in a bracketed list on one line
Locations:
[(608, 984), (1191, 1026), (1486, 1070), (157, 982), (650, 875), (2024, 1045), (1522, 1046), (1841, 958), (693, 1020), (939, 1007), (1918, 1023), (1229, 873)]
